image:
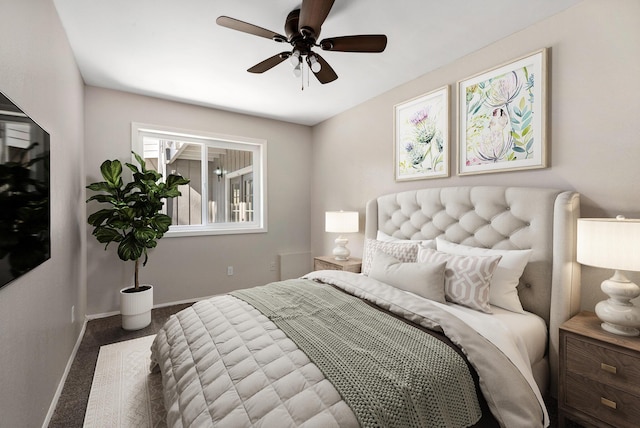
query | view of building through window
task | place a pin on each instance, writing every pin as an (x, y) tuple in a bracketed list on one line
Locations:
[(225, 190)]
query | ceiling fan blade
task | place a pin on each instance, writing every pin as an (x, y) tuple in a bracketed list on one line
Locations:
[(245, 27), (326, 73), (269, 63), (312, 15), (362, 43)]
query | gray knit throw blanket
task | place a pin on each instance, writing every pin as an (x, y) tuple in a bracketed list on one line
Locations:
[(390, 373)]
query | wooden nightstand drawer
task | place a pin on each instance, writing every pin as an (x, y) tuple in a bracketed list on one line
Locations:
[(324, 265), (601, 401), (599, 375), (603, 364), (330, 263)]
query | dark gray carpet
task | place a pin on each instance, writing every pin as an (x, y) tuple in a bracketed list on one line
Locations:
[(72, 404)]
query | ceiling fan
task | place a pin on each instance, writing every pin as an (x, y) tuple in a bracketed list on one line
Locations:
[(302, 28)]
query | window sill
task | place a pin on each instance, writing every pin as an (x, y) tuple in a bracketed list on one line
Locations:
[(180, 231)]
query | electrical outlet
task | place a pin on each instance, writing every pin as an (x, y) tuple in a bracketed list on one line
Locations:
[(229, 270), (272, 266), (73, 314)]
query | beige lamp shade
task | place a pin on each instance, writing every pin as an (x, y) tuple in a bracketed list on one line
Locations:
[(609, 243), (341, 221)]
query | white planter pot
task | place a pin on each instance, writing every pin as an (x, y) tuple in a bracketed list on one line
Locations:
[(136, 308)]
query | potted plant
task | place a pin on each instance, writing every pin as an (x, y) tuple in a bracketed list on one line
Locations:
[(134, 220)]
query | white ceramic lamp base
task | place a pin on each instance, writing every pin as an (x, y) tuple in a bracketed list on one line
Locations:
[(341, 252), (618, 314)]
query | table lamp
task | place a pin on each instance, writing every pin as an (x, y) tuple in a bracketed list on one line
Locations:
[(613, 244), (341, 222)]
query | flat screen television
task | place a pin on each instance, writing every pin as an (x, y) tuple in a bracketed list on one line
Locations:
[(25, 238)]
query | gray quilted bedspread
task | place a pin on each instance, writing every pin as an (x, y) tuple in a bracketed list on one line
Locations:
[(226, 364), (388, 371)]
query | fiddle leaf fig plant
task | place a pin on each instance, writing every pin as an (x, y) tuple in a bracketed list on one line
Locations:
[(134, 217)]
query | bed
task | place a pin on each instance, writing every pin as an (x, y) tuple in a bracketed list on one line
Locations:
[(382, 348)]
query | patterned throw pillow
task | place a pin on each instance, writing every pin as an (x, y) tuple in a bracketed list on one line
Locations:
[(404, 252), (504, 282), (466, 278)]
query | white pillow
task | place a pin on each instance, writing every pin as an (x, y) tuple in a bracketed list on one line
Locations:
[(466, 278), (423, 279), (404, 251), (506, 277), (427, 243)]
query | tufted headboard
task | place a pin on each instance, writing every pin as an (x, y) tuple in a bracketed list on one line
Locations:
[(510, 218)]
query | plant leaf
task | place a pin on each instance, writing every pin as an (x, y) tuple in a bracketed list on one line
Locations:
[(176, 180), (103, 198), (106, 235), (130, 248), (144, 234), (112, 172), (171, 193), (143, 165), (161, 222), (132, 167), (100, 186), (154, 243), (99, 217)]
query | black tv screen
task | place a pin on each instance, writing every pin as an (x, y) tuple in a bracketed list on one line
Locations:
[(25, 239)]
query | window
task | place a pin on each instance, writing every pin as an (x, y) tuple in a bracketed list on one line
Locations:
[(227, 190)]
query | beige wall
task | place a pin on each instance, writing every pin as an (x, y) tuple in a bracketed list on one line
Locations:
[(594, 103), (38, 72), (191, 267)]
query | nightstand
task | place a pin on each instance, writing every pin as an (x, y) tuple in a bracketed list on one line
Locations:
[(330, 263), (599, 375)]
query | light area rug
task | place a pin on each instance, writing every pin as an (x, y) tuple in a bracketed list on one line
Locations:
[(123, 392)]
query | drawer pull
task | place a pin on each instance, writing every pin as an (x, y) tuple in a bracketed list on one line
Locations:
[(608, 368), (608, 403)]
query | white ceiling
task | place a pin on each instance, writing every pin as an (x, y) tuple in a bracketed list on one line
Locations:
[(175, 50)]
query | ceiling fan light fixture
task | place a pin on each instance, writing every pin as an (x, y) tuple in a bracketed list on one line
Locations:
[(297, 71), (314, 65), (295, 58)]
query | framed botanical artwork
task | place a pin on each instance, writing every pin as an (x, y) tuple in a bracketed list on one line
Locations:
[(502, 117), (421, 141)]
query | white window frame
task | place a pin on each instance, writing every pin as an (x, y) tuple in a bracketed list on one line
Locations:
[(257, 146)]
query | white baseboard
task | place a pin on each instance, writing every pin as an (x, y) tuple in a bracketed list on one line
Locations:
[(72, 357), (161, 305), (102, 315)]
